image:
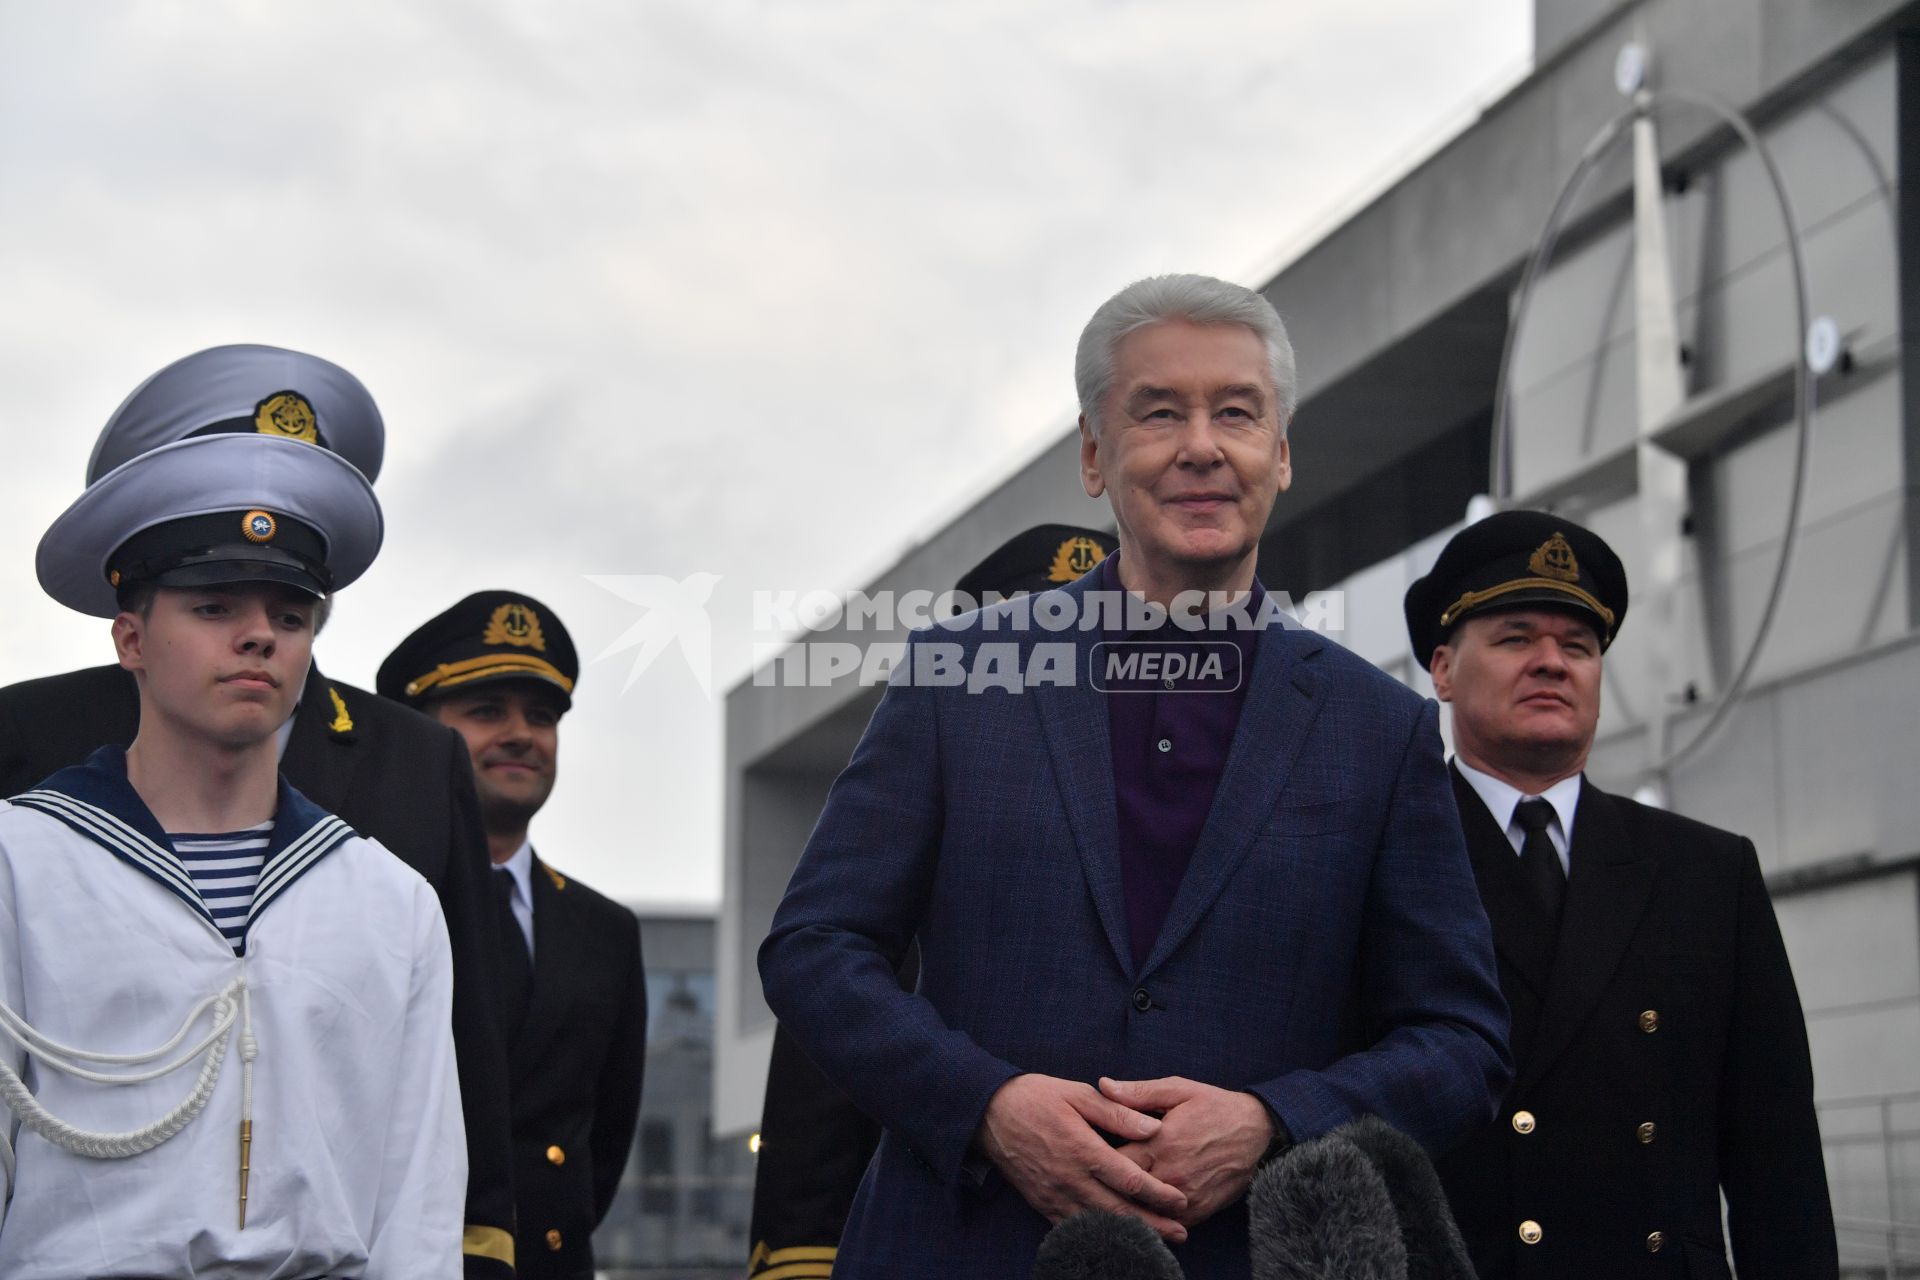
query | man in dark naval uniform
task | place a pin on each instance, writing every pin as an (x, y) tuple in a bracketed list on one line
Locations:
[(1660, 1051), (814, 1143), (500, 668), (391, 774)]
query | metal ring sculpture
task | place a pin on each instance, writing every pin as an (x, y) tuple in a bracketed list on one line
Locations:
[(1803, 380)]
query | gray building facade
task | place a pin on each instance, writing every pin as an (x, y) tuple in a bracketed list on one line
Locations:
[(682, 1208), (1400, 317)]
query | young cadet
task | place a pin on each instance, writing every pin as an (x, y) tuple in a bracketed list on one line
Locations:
[(225, 1047), (391, 774), (500, 668), (814, 1143)]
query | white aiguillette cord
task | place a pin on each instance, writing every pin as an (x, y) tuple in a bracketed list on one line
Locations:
[(235, 1003)]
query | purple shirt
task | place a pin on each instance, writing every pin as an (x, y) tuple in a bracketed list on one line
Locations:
[(1170, 729)]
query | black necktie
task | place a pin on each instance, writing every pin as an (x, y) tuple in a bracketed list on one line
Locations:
[(516, 966), (1539, 862)]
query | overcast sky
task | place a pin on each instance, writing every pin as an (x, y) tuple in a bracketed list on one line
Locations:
[(762, 290)]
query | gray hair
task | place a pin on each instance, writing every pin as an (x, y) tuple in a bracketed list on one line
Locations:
[(1197, 299)]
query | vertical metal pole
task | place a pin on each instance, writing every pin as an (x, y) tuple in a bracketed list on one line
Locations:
[(1893, 1217), (1662, 475)]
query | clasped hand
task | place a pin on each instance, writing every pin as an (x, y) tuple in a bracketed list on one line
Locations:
[(1173, 1171)]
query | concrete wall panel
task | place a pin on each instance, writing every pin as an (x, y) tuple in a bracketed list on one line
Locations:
[(1746, 322), (1816, 767), (1849, 737), (1795, 34), (1336, 301), (1557, 21), (780, 812), (1865, 1051), (1584, 413), (1831, 153), (1582, 99), (1376, 622), (1854, 458), (1852, 274), (1733, 782), (1582, 303), (1843, 591), (1449, 222), (1854, 944), (1627, 698), (1582, 309), (1573, 380)]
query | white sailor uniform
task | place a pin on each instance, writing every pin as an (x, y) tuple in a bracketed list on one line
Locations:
[(357, 1166)]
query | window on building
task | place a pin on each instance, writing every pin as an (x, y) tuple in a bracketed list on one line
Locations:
[(657, 1181)]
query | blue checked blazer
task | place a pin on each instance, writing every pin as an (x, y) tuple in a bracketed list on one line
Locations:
[(1327, 949)]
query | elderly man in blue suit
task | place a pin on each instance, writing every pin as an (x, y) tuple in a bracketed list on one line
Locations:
[(1167, 925)]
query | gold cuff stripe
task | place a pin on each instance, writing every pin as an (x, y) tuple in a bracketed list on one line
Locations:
[(796, 1271), (801, 1262), (487, 664), (488, 1242), (802, 1253), (1475, 598)]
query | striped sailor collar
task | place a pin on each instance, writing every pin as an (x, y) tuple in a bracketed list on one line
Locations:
[(97, 801)]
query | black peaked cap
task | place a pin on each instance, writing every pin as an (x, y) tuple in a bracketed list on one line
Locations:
[(1044, 557), (489, 637), (1516, 559)]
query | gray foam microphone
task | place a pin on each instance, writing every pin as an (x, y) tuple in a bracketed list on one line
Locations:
[(1096, 1245), (1322, 1212)]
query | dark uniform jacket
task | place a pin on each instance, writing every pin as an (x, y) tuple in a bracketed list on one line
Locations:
[(814, 1149), (1661, 1056), (393, 775), (575, 1071)]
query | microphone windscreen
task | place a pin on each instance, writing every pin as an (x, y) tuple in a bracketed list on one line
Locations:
[(1321, 1212), (1435, 1249), (1095, 1245)]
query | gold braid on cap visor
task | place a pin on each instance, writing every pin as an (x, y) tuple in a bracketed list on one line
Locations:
[(448, 674), (1473, 599)]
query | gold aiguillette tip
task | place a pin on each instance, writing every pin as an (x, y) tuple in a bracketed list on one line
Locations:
[(246, 1166)]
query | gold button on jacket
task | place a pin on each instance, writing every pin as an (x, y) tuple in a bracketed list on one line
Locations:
[(556, 1156), (1671, 1055), (553, 1239), (1655, 1240)]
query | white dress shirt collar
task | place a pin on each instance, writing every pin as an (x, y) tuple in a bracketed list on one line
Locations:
[(520, 867), (1502, 798)]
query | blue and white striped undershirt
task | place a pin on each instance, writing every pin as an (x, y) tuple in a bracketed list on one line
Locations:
[(225, 869)]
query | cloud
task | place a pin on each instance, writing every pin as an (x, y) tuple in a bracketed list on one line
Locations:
[(729, 286)]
